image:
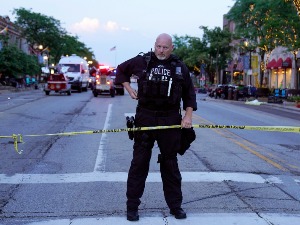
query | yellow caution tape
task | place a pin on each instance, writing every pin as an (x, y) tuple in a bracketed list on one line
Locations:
[(260, 128), (18, 138)]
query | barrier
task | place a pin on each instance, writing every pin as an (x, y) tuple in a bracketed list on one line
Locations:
[(18, 138)]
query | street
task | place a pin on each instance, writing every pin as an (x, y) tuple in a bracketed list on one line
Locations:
[(230, 176)]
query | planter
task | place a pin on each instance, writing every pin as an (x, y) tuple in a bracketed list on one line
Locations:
[(296, 99)]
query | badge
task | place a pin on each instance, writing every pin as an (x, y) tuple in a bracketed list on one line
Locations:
[(178, 70)]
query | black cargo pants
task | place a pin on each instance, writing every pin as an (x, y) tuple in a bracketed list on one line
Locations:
[(168, 141)]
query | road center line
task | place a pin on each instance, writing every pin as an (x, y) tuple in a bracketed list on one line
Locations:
[(236, 139)]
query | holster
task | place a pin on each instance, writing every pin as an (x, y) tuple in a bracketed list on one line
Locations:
[(130, 124)]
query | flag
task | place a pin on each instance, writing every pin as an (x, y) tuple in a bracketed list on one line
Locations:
[(4, 31), (113, 48)]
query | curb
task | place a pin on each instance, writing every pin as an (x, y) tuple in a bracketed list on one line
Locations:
[(285, 105)]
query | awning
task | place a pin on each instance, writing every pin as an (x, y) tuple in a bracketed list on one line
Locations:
[(271, 64), (287, 63), (279, 63)]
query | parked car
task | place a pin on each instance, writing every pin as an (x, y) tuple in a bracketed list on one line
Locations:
[(245, 91), (217, 92)]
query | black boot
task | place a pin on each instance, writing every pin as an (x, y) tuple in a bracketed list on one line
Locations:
[(132, 214), (178, 213)]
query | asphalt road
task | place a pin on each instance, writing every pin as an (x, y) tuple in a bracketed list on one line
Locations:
[(230, 176)]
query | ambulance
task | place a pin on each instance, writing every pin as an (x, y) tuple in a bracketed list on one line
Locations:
[(76, 69)]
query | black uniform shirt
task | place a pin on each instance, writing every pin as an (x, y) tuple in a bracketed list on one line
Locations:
[(137, 65)]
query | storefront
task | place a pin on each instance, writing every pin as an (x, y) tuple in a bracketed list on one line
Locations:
[(280, 69), (235, 71)]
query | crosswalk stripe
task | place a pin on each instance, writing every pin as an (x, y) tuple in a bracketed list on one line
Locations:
[(122, 177), (192, 219)]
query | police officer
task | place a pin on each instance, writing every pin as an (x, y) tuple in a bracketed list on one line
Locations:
[(163, 81)]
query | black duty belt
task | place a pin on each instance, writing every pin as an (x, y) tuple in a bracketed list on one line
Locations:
[(158, 113)]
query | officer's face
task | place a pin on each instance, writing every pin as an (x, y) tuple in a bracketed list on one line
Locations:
[(163, 48)]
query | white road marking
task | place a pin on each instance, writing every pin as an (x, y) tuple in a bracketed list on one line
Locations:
[(97, 176), (192, 219), (101, 158)]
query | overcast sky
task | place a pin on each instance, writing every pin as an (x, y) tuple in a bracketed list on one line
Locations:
[(130, 25)]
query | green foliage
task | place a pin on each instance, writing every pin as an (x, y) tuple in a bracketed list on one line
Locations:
[(190, 49), (267, 23), (14, 62), (47, 31), (211, 53), (219, 44), (295, 98), (38, 28)]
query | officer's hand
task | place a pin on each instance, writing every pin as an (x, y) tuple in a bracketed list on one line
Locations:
[(186, 122), (130, 90), (133, 94)]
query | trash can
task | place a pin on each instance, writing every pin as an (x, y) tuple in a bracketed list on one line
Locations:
[(230, 93), (235, 94)]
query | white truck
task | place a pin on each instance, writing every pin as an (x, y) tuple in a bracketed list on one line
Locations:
[(76, 69)]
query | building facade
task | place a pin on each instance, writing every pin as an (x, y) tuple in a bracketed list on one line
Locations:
[(14, 35), (279, 67)]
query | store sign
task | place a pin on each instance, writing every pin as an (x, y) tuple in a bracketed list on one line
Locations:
[(285, 64), (249, 72)]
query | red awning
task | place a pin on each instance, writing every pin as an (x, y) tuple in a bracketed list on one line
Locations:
[(287, 63), (271, 64), (279, 63)]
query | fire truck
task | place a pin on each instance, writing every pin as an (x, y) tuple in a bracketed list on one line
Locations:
[(105, 83), (57, 82)]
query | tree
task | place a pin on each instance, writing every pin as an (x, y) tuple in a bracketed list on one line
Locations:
[(210, 53), (218, 50), (266, 24), (190, 49), (15, 63), (69, 45), (39, 29)]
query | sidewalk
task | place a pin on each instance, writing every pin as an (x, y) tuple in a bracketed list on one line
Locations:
[(9, 89), (262, 101), (284, 105)]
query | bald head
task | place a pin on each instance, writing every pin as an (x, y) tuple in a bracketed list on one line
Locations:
[(163, 46)]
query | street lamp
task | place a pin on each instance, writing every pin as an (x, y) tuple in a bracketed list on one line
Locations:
[(250, 50), (46, 58), (39, 49)]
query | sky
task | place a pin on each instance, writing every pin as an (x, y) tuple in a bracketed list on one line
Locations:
[(131, 26)]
